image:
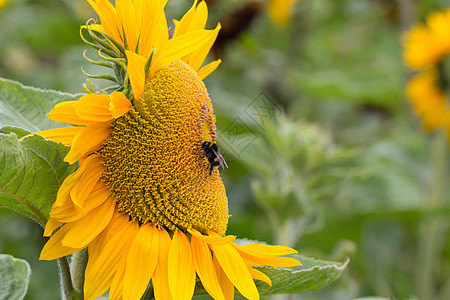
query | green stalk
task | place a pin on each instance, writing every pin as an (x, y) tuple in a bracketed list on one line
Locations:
[(432, 229), (79, 263), (67, 288)]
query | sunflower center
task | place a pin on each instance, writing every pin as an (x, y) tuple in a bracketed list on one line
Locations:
[(155, 165), (444, 75)]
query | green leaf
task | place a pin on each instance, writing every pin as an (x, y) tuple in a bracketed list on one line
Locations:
[(31, 172), (16, 130), (14, 277), (26, 107), (312, 275)]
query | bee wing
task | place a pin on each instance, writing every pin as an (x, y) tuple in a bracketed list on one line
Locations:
[(220, 157)]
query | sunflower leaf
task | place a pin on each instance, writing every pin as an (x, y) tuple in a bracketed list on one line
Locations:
[(20, 132), (31, 172), (26, 107), (312, 275), (14, 277)]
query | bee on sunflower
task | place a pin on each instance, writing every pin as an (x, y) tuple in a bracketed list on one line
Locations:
[(427, 50), (145, 201)]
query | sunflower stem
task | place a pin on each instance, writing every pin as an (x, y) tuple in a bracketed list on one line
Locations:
[(68, 291), (433, 229), (79, 263)]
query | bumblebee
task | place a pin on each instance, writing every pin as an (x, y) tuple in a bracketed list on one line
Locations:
[(212, 153)]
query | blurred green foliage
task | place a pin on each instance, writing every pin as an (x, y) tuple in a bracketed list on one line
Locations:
[(341, 168)]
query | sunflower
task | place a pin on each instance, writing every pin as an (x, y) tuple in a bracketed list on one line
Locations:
[(280, 11), (145, 200), (429, 100), (3, 3), (427, 50)]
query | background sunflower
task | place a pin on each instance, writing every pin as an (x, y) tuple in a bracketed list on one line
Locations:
[(427, 49)]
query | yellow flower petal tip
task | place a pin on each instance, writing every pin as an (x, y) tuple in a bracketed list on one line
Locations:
[(119, 105)]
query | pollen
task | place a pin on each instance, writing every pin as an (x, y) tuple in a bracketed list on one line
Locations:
[(155, 166)]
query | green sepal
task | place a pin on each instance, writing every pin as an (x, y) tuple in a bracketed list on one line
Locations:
[(149, 63), (119, 46), (100, 76), (97, 63), (116, 60)]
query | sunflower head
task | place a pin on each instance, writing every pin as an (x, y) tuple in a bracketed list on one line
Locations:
[(426, 45), (155, 166), (147, 200), (427, 50)]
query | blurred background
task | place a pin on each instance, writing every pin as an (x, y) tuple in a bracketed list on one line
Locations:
[(323, 150)]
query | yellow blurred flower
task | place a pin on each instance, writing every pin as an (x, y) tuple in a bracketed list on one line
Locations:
[(426, 45), (429, 101), (147, 200), (427, 49), (3, 3), (280, 11)]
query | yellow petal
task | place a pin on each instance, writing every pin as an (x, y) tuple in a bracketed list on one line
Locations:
[(161, 30), (63, 195), (195, 18), (181, 267), (236, 270), (107, 14), (208, 69), (141, 263), (160, 279), (253, 258), (212, 239), (51, 225), (126, 14), (259, 249), (118, 222), (178, 47), (65, 112), (82, 232), (256, 274), (94, 107), (149, 30), (225, 283), (136, 72), (69, 213), (119, 104), (62, 135), (88, 141), (116, 290), (197, 58), (103, 264), (204, 266), (82, 189), (54, 249)]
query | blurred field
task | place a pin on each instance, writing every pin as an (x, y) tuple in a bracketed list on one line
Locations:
[(323, 150)]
